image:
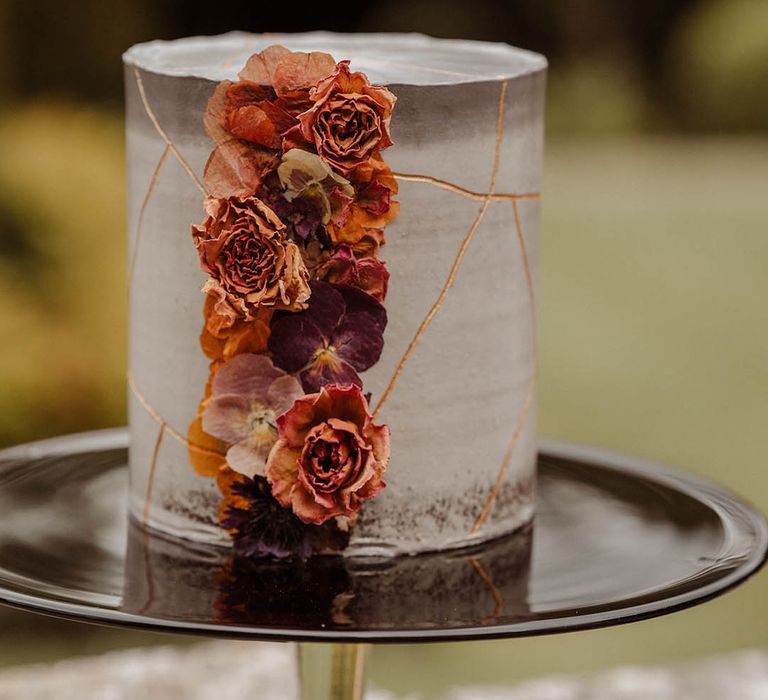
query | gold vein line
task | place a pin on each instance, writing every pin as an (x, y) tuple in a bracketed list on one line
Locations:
[(457, 261), (175, 434), (479, 196), (508, 456), (150, 113), (488, 581), (147, 197), (521, 420), (152, 469)]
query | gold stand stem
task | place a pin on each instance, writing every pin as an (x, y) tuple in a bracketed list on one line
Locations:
[(332, 671)]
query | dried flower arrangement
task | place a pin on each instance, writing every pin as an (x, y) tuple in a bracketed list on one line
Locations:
[(299, 199)]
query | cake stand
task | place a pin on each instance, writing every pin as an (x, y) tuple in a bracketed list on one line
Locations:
[(615, 539)]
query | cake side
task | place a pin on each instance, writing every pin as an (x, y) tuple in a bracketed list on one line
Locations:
[(460, 403)]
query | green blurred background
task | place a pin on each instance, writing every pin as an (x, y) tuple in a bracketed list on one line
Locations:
[(654, 269)]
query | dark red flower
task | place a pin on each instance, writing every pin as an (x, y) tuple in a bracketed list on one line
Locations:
[(367, 273), (339, 334)]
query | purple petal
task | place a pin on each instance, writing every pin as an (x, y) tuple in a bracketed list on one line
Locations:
[(326, 307), (246, 375), (358, 301), (294, 340), (322, 373), (302, 216), (358, 341), (228, 418)]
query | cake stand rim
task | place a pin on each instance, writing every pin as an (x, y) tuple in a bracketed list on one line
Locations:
[(703, 490)]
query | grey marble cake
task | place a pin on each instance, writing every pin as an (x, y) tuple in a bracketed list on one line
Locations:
[(451, 372)]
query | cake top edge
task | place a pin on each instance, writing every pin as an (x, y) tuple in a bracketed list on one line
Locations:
[(387, 59)]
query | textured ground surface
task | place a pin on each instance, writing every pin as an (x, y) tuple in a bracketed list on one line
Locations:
[(234, 670)]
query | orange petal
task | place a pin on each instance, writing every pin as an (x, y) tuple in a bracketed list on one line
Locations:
[(309, 511), (212, 117), (301, 70), (282, 471), (261, 66), (225, 479), (206, 453), (236, 169)]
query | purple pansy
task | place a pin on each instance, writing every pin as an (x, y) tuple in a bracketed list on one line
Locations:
[(303, 216), (248, 393), (339, 334)]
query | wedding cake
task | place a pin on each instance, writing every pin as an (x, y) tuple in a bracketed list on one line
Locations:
[(332, 246)]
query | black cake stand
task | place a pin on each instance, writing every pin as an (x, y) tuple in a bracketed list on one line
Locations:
[(615, 539)]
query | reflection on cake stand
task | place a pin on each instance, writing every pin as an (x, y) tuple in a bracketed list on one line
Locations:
[(614, 540)]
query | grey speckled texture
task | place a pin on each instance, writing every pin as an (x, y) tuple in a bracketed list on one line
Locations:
[(457, 402)]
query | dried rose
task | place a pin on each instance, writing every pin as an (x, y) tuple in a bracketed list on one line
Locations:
[(248, 393), (330, 457), (339, 334), (242, 246), (366, 273), (348, 121)]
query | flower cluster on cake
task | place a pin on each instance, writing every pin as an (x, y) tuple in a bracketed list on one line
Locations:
[(299, 197)]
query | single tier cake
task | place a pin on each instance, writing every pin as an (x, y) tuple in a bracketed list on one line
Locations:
[(332, 290)]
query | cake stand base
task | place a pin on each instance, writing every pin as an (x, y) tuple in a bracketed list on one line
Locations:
[(332, 671), (615, 539)]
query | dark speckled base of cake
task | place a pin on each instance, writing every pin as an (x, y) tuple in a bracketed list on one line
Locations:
[(424, 530), (195, 520)]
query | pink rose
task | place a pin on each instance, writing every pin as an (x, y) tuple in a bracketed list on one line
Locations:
[(243, 247), (349, 120), (329, 456)]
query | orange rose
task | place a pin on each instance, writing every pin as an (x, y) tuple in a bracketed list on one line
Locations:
[(349, 120)]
